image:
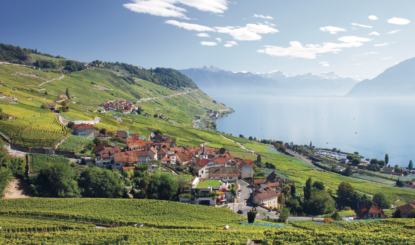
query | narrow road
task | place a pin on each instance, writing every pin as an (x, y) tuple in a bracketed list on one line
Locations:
[(48, 81), (240, 145)]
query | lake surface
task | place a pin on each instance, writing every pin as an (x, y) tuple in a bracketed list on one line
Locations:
[(372, 127)]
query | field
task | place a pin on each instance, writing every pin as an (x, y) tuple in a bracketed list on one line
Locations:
[(38, 161), (207, 183), (58, 221), (73, 143)]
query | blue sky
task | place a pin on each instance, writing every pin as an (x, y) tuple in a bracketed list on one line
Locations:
[(350, 38)]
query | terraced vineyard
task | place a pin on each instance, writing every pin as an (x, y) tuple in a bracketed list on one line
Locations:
[(71, 221), (74, 143)]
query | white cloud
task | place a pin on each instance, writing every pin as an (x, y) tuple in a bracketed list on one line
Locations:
[(188, 26), (202, 35), (262, 16), (372, 17), (399, 21), (355, 24), (310, 51), (393, 32), (208, 43), (219, 39), (332, 29), (324, 63), (230, 44), (367, 53), (167, 8), (374, 33), (386, 58), (382, 44), (247, 33)]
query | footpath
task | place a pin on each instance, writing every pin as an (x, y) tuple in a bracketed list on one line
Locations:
[(165, 97)]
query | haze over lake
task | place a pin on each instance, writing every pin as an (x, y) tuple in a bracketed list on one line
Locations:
[(371, 126)]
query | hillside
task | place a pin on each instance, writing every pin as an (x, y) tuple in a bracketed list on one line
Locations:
[(88, 88), (216, 80), (397, 80)]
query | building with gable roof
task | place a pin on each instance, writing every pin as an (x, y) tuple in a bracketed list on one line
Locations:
[(405, 209), (84, 130), (368, 210)]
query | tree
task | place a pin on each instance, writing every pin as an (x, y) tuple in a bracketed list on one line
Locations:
[(307, 189), (373, 161), (345, 190), (67, 93), (97, 141), (64, 105), (103, 131), (103, 183), (251, 215), (380, 200), (397, 214), (398, 169), (319, 185), (410, 165), (381, 163), (348, 171), (311, 144), (293, 190), (411, 214), (111, 132), (284, 215), (55, 180), (258, 159), (71, 124), (386, 159), (294, 206), (335, 216), (1, 110), (320, 202), (400, 183), (250, 138)]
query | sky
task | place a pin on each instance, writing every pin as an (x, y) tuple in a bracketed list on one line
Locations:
[(350, 38)]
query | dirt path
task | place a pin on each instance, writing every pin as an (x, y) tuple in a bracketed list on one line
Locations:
[(240, 145), (167, 96), (48, 81), (17, 188)]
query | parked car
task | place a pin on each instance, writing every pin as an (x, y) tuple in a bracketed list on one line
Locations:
[(240, 212)]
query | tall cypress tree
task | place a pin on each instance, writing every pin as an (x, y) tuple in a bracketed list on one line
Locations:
[(67, 93), (410, 165), (307, 189), (386, 159)]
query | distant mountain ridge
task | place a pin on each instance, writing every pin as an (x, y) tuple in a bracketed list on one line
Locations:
[(398, 80), (276, 82)]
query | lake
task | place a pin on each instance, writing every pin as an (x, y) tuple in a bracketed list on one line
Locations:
[(372, 127)]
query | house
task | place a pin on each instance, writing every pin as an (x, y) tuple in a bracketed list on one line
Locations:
[(153, 153), (122, 134), (397, 174), (183, 158), (368, 210), (246, 167), (266, 197), (84, 130), (105, 157), (63, 96), (388, 170), (124, 159), (166, 160), (202, 169), (228, 174), (100, 148), (50, 106), (405, 209), (143, 156)]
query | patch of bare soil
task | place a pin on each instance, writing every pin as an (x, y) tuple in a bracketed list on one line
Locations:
[(18, 188)]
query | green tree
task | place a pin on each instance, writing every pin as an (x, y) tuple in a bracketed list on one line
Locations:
[(320, 202), (411, 214), (55, 180), (348, 171), (345, 190), (410, 165), (284, 215), (251, 215), (5, 177), (381, 163), (398, 169), (17, 166), (307, 189), (97, 141), (373, 161), (71, 124), (336, 216), (294, 205), (293, 190), (67, 93), (319, 185), (397, 214), (311, 144), (386, 159), (103, 183), (380, 200), (258, 159)]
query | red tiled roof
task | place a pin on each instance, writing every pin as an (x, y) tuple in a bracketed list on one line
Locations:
[(406, 208), (122, 134), (224, 172), (83, 126), (259, 181), (100, 147), (166, 159), (141, 153), (265, 195), (222, 159)]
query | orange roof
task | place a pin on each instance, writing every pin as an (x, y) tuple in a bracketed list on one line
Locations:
[(249, 162), (166, 159), (83, 126), (266, 194), (222, 159), (127, 167), (126, 157), (259, 181)]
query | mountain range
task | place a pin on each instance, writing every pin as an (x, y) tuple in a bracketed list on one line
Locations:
[(398, 80), (276, 82)]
